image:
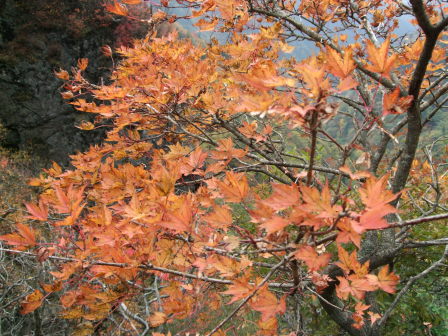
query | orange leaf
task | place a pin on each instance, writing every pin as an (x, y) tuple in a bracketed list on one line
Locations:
[(106, 50), (267, 304), (240, 289), (38, 212), (32, 302), (205, 25), (62, 74), (387, 281), (117, 8), (157, 319), (274, 224), (347, 233), (82, 63), (25, 237), (374, 192), (394, 104), (226, 151), (338, 66), (347, 83), (220, 218), (313, 260), (283, 196), (347, 262), (379, 58), (234, 187)]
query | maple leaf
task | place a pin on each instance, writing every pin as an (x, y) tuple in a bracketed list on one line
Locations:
[(385, 280), (356, 287), (32, 302), (373, 219), (38, 212), (205, 25), (379, 58), (24, 238), (195, 161), (347, 233), (374, 317), (394, 104), (314, 76), (226, 151), (267, 304), (62, 74), (313, 260), (283, 196), (319, 202), (274, 224), (347, 83), (131, 2), (117, 8), (157, 318), (219, 218), (180, 219), (347, 262), (268, 327), (234, 187), (374, 192), (239, 289), (82, 63), (340, 67)]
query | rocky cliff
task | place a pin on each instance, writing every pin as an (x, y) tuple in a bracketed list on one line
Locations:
[(38, 37)]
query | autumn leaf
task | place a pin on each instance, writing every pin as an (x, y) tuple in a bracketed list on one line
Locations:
[(339, 66), (385, 280), (82, 63), (117, 8), (347, 233), (239, 289), (205, 25), (32, 302), (274, 224), (348, 83), (24, 238), (380, 61), (319, 202), (283, 196), (234, 187), (157, 318), (179, 220), (394, 104), (313, 260), (374, 192), (38, 212), (267, 304), (226, 151), (106, 50), (62, 74), (220, 217), (131, 2)]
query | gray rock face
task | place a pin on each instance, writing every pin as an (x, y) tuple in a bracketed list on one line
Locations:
[(36, 38)]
